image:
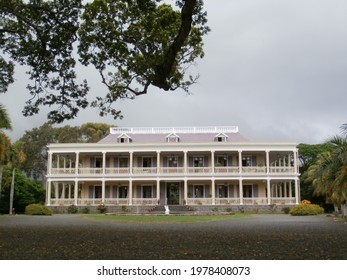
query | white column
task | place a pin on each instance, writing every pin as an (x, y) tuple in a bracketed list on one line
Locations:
[(268, 186), (76, 192), (185, 162), (131, 162), (48, 192), (63, 191), (212, 161), (103, 163), (130, 192), (49, 164), (296, 191), (158, 162), (69, 195), (267, 162), (213, 190), (296, 161), (103, 191), (285, 189), (158, 190), (240, 191), (77, 162), (186, 190), (240, 161)]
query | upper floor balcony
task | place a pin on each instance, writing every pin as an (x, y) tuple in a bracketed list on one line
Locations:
[(194, 163), (168, 171)]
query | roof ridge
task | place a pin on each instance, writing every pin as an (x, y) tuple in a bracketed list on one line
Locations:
[(168, 130)]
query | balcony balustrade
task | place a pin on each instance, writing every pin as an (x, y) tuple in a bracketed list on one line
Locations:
[(145, 201), (203, 170), (253, 169), (173, 170), (255, 200), (90, 171), (190, 201), (227, 200), (282, 169), (65, 171), (115, 170), (116, 201), (199, 201), (226, 169), (144, 170)]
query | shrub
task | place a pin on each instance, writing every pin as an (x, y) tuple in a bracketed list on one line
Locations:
[(102, 208), (37, 209), (306, 209), (286, 210), (72, 209)]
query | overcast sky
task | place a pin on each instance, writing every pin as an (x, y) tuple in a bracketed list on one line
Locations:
[(275, 68)]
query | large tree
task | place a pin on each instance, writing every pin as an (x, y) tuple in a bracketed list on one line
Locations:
[(26, 191), (5, 123), (133, 44), (35, 143)]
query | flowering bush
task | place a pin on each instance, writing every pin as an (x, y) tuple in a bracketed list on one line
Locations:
[(305, 201), (306, 209)]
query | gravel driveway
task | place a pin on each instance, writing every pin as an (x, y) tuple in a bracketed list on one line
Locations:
[(263, 237)]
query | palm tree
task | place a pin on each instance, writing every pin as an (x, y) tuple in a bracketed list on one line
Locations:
[(344, 129), (5, 121), (329, 174)]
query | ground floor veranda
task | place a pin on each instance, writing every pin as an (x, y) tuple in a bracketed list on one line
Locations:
[(173, 192)]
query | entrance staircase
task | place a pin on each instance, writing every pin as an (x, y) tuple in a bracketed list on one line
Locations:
[(174, 210)]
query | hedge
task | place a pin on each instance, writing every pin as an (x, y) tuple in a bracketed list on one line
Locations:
[(306, 209), (37, 209)]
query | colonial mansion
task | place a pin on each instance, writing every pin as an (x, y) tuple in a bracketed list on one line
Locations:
[(173, 166)]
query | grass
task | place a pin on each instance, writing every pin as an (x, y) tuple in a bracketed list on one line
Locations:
[(169, 219)]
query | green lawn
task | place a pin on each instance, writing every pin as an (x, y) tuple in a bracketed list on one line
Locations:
[(169, 219)]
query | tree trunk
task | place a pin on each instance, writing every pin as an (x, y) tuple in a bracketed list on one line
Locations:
[(12, 190), (1, 170)]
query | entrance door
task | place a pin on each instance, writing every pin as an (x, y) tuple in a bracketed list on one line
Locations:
[(173, 194)]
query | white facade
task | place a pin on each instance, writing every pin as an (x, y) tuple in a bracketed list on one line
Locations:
[(185, 166)]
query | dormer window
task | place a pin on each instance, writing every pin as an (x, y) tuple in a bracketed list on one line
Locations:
[(172, 137), (221, 137), (124, 138)]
